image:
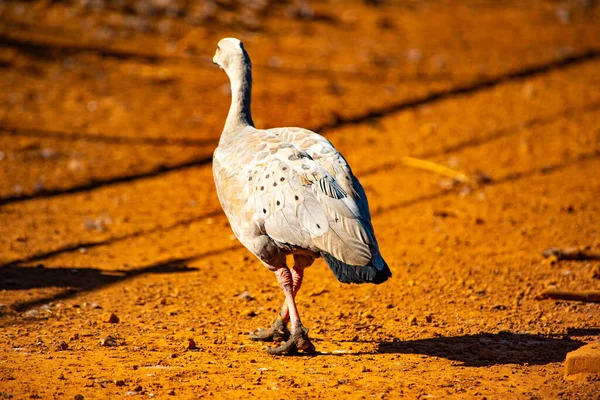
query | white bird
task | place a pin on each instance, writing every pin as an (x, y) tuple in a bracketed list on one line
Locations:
[(288, 191)]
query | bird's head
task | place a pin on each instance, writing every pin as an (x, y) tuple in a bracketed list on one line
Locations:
[(231, 53)]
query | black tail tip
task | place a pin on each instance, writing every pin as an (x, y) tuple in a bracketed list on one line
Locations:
[(382, 275), (357, 274)]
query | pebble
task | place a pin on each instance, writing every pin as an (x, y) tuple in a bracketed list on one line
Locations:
[(32, 313), (191, 344), (111, 318), (245, 295), (108, 341), (62, 346), (275, 62)]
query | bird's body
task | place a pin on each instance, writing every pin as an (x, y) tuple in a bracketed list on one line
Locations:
[(289, 191)]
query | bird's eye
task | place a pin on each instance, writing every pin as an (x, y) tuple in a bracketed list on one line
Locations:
[(218, 48)]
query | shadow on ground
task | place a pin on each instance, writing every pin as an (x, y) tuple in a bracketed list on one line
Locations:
[(16, 277), (485, 349)]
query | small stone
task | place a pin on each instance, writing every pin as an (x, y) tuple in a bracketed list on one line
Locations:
[(583, 361), (245, 295), (171, 392), (138, 388), (79, 397), (173, 355), (111, 318), (275, 62), (108, 341), (191, 344), (119, 382), (95, 305), (45, 307), (429, 318), (250, 313), (62, 346), (74, 165), (412, 320)]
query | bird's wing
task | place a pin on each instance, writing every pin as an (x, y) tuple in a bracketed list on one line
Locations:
[(305, 195)]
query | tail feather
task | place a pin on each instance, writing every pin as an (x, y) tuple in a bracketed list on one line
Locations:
[(357, 274)]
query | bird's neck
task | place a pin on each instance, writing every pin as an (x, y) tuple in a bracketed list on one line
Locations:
[(240, 115)]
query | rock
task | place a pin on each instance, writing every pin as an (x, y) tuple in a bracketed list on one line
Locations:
[(79, 397), (108, 341), (111, 318), (119, 382), (191, 344), (62, 346), (583, 361), (595, 274), (245, 295)]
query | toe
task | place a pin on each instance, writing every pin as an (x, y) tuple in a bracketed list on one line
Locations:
[(288, 347), (278, 332)]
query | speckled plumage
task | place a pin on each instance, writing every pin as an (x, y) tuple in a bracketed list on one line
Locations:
[(289, 191)]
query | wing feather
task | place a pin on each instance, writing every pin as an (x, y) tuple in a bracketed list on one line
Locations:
[(305, 195)]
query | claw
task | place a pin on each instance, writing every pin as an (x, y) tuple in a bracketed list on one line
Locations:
[(299, 340), (278, 332)]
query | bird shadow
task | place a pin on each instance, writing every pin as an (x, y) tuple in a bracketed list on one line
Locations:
[(74, 281), (487, 349)]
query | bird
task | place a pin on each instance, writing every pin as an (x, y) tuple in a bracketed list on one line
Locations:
[(289, 192)]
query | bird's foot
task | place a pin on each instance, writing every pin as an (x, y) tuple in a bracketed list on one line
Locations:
[(278, 332), (298, 341)]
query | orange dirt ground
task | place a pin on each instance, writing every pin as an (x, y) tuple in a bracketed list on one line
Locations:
[(109, 114)]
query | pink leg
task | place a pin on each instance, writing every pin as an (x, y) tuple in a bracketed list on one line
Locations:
[(297, 276), (299, 334), (286, 281), (290, 282)]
